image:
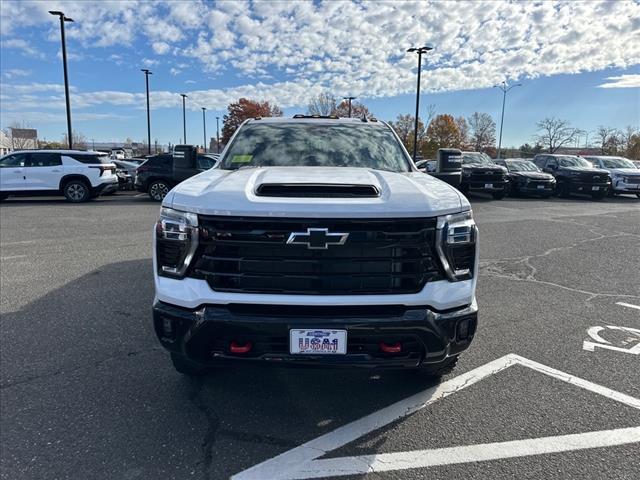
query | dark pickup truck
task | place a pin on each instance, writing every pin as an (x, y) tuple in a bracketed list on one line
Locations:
[(160, 173), (481, 174), (574, 175)]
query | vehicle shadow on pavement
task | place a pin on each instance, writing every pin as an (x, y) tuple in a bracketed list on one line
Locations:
[(82, 371)]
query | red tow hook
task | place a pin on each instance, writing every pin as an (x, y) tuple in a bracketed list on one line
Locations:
[(235, 348), (386, 348)]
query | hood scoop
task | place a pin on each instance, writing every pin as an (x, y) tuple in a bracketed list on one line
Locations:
[(317, 190)]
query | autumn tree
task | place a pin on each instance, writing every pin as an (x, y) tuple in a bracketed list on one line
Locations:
[(322, 104), (358, 110), (441, 133), (404, 127), (554, 133), (482, 131), (243, 109)]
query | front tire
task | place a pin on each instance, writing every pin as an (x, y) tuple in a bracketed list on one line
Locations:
[(184, 366), (76, 191), (562, 190), (158, 189)]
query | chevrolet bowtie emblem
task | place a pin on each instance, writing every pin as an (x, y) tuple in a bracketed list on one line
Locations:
[(317, 238)]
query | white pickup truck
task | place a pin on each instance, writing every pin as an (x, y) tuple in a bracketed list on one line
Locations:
[(315, 241)]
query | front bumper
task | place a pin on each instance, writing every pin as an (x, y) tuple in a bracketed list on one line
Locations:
[(533, 189), (204, 335), (588, 188), (620, 186), (488, 187)]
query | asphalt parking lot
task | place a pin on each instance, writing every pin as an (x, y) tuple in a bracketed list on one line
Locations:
[(549, 389)]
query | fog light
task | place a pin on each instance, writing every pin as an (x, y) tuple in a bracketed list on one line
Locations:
[(463, 329)]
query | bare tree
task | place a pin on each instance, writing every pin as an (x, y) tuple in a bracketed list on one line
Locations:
[(604, 134), (322, 104), (19, 138), (404, 127), (482, 131), (463, 127), (555, 133), (79, 140)]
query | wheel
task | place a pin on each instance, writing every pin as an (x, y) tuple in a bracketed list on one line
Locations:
[(158, 189), (76, 191), (498, 195), (440, 369), (562, 189), (599, 195), (638, 195), (186, 367)]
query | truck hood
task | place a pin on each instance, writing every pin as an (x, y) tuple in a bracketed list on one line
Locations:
[(233, 192)]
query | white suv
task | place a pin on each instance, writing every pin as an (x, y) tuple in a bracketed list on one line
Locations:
[(77, 175)]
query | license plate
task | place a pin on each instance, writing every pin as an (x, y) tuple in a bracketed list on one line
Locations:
[(488, 185), (317, 342), (540, 187), (595, 188)]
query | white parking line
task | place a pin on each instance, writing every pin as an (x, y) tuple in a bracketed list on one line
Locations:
[(471, 453), (629, 305), (301, 462)]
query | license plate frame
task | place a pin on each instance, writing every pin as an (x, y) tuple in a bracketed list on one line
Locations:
[(595, 189), (317, 341), (488, 185), (540, 187)]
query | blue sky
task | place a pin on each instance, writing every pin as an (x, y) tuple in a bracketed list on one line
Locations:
[(563, 53)]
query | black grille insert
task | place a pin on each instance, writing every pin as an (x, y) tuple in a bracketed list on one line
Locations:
[(380, 256), (303, 190)]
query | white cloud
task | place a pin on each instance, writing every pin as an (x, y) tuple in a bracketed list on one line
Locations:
[(358, 47), (15, 72), (160, 47), (22, 45), (623, 81), (149, 62), (174, 71)]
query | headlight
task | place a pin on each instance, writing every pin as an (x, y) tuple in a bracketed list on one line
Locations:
[(456, 237), (176, 241)]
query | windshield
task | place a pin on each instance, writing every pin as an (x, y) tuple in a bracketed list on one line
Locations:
[(521, 166), (475, 158), (616, 162), (573, 162), (310, 145)]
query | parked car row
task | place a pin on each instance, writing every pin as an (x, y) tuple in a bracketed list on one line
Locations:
[(544, 175), (83, 175)]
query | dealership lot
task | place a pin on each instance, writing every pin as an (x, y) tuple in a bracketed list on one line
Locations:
[(87, 392)]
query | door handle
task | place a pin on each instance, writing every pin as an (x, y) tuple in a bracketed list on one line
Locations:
[(56, 170), (17, 171)]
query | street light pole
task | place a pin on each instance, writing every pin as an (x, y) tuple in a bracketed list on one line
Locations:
[(184, 120), (63, 19), (204, 127), (420, 51), (146, 75), (505, 89), (349, 100), (218, 133)]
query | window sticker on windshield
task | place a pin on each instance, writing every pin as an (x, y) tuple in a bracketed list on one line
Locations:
[(241, 158)]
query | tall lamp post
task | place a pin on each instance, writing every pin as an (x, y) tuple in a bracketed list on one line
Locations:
[(218, 133), (63, 19), (503, 86), (349, 100), (146, 75), (204, 128), (420, 51), (184, 120)]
